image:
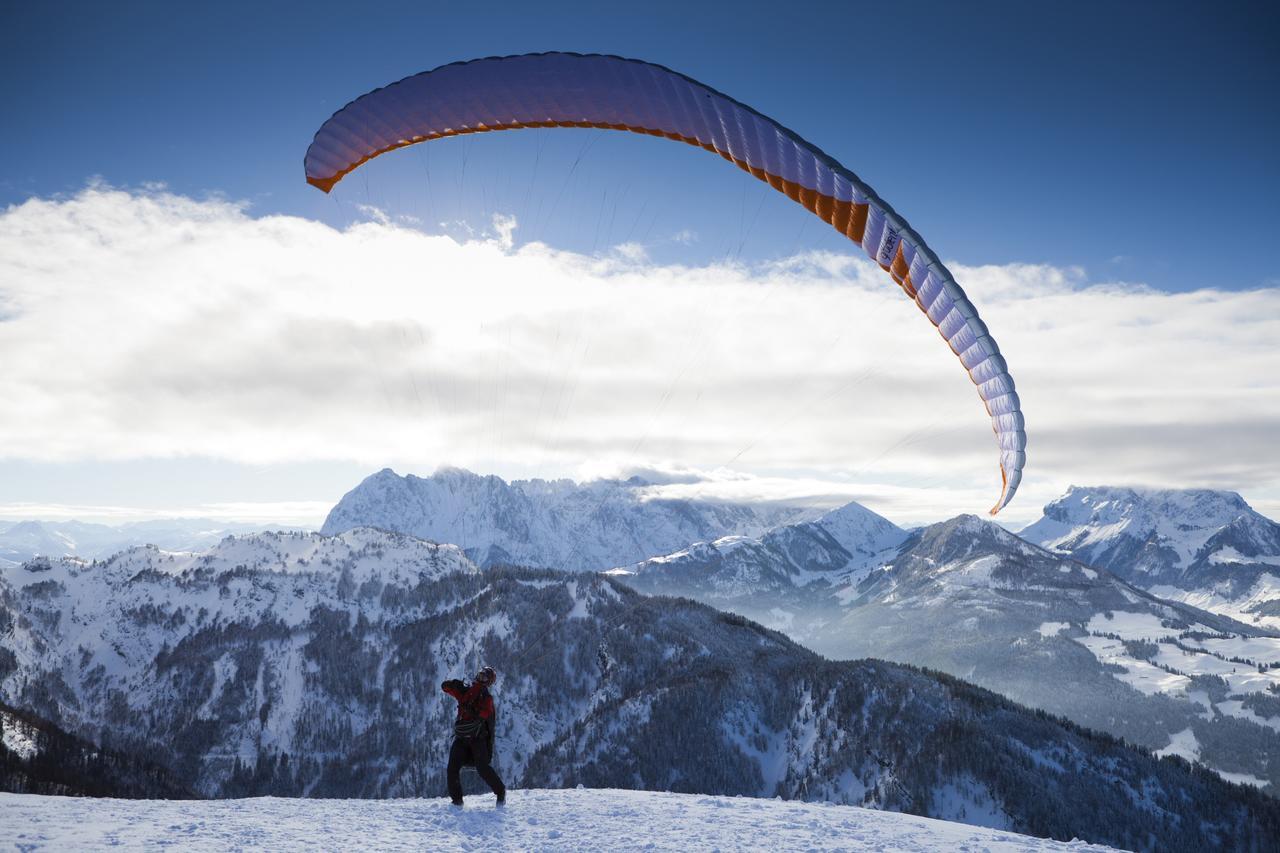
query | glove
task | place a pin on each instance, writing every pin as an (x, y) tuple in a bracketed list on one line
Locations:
[(454, 683)]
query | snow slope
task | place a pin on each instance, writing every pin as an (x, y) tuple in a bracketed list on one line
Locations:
[(560, 820)]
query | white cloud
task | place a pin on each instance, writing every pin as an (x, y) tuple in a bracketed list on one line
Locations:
[(308, 514), (632, 252), (148, 325)]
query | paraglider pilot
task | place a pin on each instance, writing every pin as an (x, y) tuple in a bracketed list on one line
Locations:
[(473, 734)]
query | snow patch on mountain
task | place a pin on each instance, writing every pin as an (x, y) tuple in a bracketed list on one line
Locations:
[(16, 737), (1131, 626), (1236, 708), (1228, 555), (1265, 650), (1243, 779), (1182, 744), (1258, 605), (969, 800), (1139, 674)]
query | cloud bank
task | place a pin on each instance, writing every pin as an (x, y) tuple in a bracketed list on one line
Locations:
[(142, 325)]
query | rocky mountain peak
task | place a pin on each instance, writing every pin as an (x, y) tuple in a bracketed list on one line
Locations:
[(1142, 507), (966, 537), (1147, 535), (858, 529)]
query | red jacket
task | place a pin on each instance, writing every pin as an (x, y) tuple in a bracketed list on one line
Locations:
[(474, 701)]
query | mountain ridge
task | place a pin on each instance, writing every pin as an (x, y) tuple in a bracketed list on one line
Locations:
[(556, 523)]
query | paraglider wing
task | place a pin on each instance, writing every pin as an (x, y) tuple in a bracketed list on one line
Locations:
[(575, 90)]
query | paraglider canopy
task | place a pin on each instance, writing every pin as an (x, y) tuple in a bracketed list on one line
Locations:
[(576, 90)]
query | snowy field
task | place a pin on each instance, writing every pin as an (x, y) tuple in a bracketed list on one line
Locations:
[(532, 820), (1174, 656)]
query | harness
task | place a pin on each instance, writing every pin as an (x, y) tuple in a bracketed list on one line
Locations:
[(474, 727)]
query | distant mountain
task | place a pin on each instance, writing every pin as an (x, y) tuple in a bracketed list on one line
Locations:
[(296, 664), (1207, 548), (779, 577), (969, 598), (23, 540), (560, 524), (37, 757)]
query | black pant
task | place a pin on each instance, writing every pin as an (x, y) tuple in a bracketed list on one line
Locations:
[(476, 752)]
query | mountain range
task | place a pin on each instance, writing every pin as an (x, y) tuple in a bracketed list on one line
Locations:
[(1143, 613), (296, 663), (970, 598), (300, 664), (24, 540)]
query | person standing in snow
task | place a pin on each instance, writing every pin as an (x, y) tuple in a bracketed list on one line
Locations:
[(473, 734)]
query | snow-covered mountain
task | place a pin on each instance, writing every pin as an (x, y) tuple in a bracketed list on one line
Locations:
[(23, 540), (969, 598), (559, 524), (302, 664), (566, 821), (1207, 548), (776, 576)]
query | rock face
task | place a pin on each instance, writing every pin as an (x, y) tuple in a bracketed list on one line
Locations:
[(1203, 547), (297, 664), (558, 524)]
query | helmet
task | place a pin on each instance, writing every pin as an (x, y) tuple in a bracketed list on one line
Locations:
[(486, 676)]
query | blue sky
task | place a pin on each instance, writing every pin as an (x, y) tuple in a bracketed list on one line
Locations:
[(1134, 139), (1101, 178)]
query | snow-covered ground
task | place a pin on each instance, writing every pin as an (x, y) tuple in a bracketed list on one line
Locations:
[(1173, 657), (533, 820), (1174, 661)]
